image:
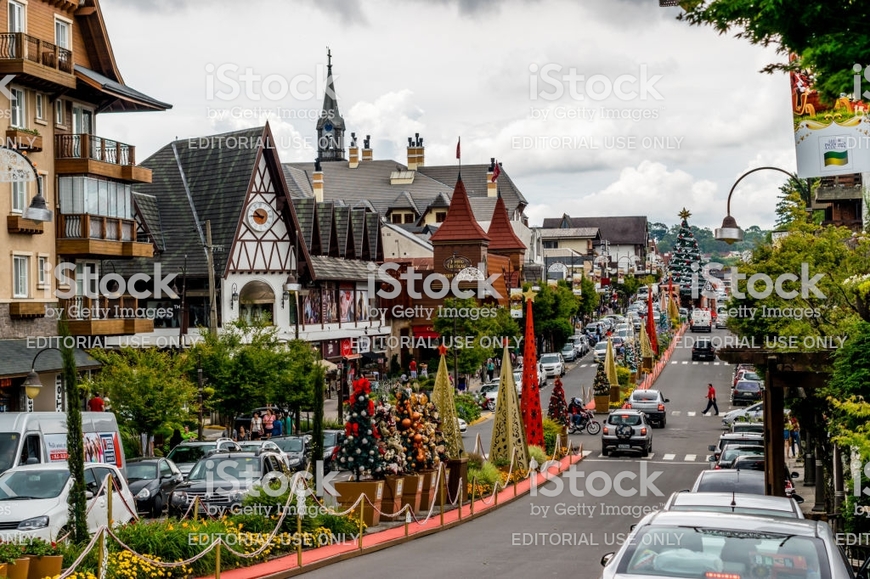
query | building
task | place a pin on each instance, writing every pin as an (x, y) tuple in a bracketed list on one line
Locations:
[(622, 243), (63, 75), (842, 198)]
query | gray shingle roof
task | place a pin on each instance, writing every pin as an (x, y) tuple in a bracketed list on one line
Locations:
[(337, 268), (619, 230), (149, 219), (16, 359), (474, 177), (590, 232)]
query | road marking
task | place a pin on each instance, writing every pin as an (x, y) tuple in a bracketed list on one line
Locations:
[(669, 456), (694, 363), (587, 453), (716, 363), (651, 455), (690, 457), (685, 362), (691, 413), (674, 362), (675, 412)]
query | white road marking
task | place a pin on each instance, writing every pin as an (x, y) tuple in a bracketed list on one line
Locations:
[(685, 362), (669, 456), (675, 412), (691, 457), (691, 413), (674, 362), (587, 453)]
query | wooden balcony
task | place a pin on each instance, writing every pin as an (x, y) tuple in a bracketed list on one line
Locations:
[(97, 236), (105, 317), (35, 62), (81, 154), (19, 310)]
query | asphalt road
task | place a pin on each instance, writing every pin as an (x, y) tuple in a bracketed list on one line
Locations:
[(566, 526)]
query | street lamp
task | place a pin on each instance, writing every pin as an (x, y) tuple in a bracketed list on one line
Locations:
[(17, 167), (32, 384), (730, 232)]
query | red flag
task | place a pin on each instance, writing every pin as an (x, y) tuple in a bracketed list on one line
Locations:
[(496, 171), (458, 156)]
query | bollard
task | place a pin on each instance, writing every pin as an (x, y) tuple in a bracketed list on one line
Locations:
[(299, 539), (101, 561), (196, 508), (442, 495), (407, 521), (109, 487), (473, 488), (217, 560), (362, 505)]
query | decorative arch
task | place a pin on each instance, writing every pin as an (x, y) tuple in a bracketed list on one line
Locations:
[(257, 301)]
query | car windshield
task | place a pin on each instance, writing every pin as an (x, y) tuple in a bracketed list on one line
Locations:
[(141, 471), (751, 463), (289, 444), (752, 376), (189, 454), (748, 387), (32, 484), (601, 346), (549, 359), (702, 344), (644, 395), (226, 469), (722, 481), (8, 449), (706, 552), (729, 454), (619, 419), (251, 446), (330, 439), (567, 347)]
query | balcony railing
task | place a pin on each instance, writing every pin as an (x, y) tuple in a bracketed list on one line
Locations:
[(95, 227), (21, 46), (82, 146), (101, 308)]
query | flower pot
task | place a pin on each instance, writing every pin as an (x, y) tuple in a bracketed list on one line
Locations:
[(614, 394), (429, 493), (349, 492), (458, 471), (412, 491), (3, 569), (392, 502), (18, 569), (602, 403), (45, 566)]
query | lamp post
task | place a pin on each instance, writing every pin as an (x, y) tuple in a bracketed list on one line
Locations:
[(730, 232), (32, 384), (12, 158)]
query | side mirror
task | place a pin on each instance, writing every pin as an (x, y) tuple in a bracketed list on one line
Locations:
[(797, 498), (88, 495), (605, 559), (712, 458)]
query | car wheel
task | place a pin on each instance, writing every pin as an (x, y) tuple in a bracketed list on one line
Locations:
[(664, 422), (604, 451), (157, 507), (645, 451)]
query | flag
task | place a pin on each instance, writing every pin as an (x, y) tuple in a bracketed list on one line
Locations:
[(496, 171), (458, 156)]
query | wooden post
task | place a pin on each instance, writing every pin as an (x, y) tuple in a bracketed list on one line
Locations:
[(209, 256), (442, 494), (109, 488), (473, 488), (362, 506), (217, 560)]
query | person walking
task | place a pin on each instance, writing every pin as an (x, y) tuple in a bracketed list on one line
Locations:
[(711, 400), (256, 426), (242, 435), (97, 404), (278, 425), (412, 368), (288, 424), (795, 438)]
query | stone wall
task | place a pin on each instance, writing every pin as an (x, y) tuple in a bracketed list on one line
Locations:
[(25, 327)]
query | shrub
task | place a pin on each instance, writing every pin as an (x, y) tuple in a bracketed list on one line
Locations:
[(539, 454), (552, 430), (487, 474), (467, 408), (475, 460), (623, 376)]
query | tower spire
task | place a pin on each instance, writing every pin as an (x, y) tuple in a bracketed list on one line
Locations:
[(330, 125)]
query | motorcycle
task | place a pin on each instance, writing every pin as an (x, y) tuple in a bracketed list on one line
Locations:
[(587, 423)]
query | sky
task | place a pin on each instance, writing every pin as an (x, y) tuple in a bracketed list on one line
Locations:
[(603, 107)]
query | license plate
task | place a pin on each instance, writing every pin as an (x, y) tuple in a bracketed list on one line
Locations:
[(623, 446)]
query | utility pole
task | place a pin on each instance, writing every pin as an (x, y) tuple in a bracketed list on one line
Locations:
[(199, 381), (209, 255)]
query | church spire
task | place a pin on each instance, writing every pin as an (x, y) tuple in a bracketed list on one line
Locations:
[(330, 125)]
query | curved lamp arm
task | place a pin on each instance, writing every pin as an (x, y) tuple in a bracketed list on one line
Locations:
[(32, 384), (730, 231)]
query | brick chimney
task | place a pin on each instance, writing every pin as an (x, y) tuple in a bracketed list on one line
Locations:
[(415, 152), (353, 153), (317, 182), (491, 186), (367, 148), (421, 151)]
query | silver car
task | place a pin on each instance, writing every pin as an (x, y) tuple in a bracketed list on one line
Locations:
[(626, 431), (701, 544), (553, 364), (740, 503)]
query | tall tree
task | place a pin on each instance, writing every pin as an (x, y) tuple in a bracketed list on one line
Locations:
[(75, 449)]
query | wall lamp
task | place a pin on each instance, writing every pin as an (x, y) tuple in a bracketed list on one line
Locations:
[(234, 296)]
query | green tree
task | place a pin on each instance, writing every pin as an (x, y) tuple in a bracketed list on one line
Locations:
[(828, 37), (149, 388), (553, 309), (75, 448), (589, 299)]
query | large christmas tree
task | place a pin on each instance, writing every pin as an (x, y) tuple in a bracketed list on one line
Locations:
[(558, 409), (359, 452), (601, 386), (686, 261)]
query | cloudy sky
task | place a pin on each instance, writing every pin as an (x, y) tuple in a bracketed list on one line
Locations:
[(665, 116)]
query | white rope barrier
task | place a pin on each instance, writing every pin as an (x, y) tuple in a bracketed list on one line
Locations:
[(83, 554)]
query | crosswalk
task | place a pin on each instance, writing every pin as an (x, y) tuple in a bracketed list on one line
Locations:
[(673, 363), (669, 457)]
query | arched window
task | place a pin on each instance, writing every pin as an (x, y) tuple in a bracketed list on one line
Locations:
[(257, 302)]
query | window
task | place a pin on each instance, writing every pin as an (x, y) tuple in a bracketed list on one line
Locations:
[(20, 285), (40, 106), (396, 218), (16, 16), (19, 196), (551, 245), (61, 33), (440, 216), (79, 194), (58, 112), (41, 266), (17, 118), (409, 218)]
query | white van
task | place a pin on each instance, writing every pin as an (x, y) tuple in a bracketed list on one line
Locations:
[(40, 437), (701, 321)]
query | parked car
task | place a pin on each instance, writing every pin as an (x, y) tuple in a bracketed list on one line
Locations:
[(748, 427), (151, 481), (748, 414), (721, 321), (569, 354), (553, 364), (746, 392), (600, 350), (626, 430), (581, 345), (463, 426), (652, 403), (264, 444), (730, 480), (726, 545), (749, 462), (332, 440), (35, 500), (739, 503), (703, 350), (297, 452), (188, 453), (738, 438), (224, 479), (732, 451)]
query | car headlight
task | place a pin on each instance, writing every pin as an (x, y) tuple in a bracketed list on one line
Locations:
[(143, 495), (237, 496), (178, 498), (294, 461), (34, 523)]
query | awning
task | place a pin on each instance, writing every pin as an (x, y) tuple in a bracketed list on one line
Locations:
[(425, 332), (16, 356), (328, 366), (117, 97), (375, 357)]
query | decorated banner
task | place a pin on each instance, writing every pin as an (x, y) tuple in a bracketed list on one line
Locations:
[(516, 302)]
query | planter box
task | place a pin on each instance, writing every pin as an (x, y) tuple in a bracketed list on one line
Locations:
[(47, 566), (23, 141), (429, 492), (349, 492), (412, 491), (18, 569), (458, 469), (393, 488), (614, 394), (602, 404)]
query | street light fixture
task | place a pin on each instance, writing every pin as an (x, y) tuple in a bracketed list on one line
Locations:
[(32, 384), (234, 296), (17, 167), (730, 232)]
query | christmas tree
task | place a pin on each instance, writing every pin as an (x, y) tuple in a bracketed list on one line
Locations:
[(390, 443), (359, 451), (686, 261), (558, 409), (417, 421), (630, 357), (602, 384)]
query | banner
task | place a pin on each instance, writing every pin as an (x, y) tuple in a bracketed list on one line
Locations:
[(577, 285), (516, 302), (98, 447)]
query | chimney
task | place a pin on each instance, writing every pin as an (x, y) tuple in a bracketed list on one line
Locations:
[(367, 148), (353, 153), (317, 181), (421, 155), (491, 187), (412, 155)]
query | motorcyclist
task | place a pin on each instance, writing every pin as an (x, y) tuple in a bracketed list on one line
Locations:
[(577, 412)]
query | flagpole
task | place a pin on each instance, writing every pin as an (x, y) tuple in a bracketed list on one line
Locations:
[(459, 155)]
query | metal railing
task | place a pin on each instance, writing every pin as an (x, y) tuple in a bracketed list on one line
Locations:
[(101, 308), (85, 226), (84, 146), (21, 46)]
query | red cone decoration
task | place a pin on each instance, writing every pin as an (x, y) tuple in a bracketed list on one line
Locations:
[(530, 402)]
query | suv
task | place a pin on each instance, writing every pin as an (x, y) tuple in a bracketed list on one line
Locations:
[(296, 450), (223, 479), (735, 438), (651, 403), (186, 454), (747, 392), (703, 349), (553, 364), (626, 430)]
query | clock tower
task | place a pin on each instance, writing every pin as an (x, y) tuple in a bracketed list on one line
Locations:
[(330, 125)]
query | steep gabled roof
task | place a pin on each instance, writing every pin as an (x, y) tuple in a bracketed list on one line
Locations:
[(618, 230), (501, 233), (460, 224), (327, 232), (404, 201), (298, 181), (475, 177), (358, 228), (342, 231), (148, 217)]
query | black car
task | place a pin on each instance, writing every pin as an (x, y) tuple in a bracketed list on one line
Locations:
[(746, 392), (151, 481), (732, 451), (732, 438), (186, 454), (295, 449), (332, 440), (223, 479), (703, 350), (730, 481)]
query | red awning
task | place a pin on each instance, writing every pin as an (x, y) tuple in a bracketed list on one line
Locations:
[(425, 332)]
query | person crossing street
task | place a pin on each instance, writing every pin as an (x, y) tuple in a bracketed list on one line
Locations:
[(711, 400)]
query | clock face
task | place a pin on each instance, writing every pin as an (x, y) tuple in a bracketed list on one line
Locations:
[(328, 127), (260, 216)]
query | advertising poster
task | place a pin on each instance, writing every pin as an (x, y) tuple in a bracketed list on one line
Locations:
[(577, 285), (98, 447), (346, 305), (516, 302)]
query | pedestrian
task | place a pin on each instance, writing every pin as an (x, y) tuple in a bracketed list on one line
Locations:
[(256, 426), (268, 423), (176, 439), (786, 437), (795, 438), (278, 425), (97, 404), (288, 424), (490, 369), (711, 400), (242, 434), (412, 368), (424, 370)]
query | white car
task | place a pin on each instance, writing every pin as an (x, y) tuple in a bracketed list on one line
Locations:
[(749, 414), (463, 426), (600, 350), (33, 500), (553, 364)]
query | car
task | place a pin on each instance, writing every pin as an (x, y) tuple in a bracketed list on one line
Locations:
[(721, 321), (738, 438), (332, 441), (652, 403), (727, 545), (581, 345), (626, 430), (701, 321), (188, 453), (740, 370), (748, 427), (684, 314), (35, 500), (626, 335), (599, 352), (746, 392), (740, 503), (594, 328), (151, 481), (617, 318), (296, 450), (569, 354), (749, 462), (703, 349), (463, 426), (748, 414), (222, 480), (553, 364), (617, 342), (732, 451), (730, 480), (263, 444)]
